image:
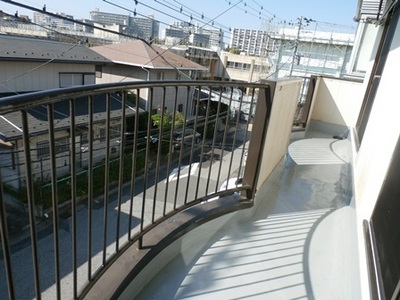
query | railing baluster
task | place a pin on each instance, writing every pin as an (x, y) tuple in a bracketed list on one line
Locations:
[(226, 131), (31, 203), (134, 158), (234, 138), (106, 178), (213, 143), (189, 100), (159, 148), (146, 163), (171, 150), (121, 168), (90, 187), (206, 121), (5, 242), (73, 198), (191, 152), (54, 197)]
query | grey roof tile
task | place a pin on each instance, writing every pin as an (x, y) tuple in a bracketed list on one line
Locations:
[(33, 49), (138, 53)]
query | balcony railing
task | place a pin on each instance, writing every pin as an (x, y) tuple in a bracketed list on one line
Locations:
[(89, 172)]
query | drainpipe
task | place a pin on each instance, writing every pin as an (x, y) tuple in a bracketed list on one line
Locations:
[(148, 79)]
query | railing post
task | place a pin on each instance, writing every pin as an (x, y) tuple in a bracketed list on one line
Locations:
[(5, 242), (258, 136)]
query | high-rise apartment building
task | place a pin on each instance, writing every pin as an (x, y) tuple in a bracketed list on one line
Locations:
[(250, 41), (195, 34), (146, 28)]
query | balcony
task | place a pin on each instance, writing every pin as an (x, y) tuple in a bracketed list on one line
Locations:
[(257, 208)]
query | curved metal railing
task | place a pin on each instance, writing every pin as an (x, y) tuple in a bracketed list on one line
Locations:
[(87, 171)]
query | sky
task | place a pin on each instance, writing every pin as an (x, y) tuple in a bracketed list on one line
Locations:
[(333, 15)]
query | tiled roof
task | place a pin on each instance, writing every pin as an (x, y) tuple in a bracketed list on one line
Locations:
[(138, 53), (31, 49), (11, 124)]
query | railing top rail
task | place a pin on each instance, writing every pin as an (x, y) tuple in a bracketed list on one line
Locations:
[(25, 101)]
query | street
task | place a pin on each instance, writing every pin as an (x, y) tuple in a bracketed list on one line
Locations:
[(197, 176)]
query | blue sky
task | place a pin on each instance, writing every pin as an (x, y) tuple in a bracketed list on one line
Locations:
[(250, 14)]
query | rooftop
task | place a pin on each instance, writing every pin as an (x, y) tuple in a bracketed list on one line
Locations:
[(34, 49), (139, 53)]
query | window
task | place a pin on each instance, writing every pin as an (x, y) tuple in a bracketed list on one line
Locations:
[(230, 64), (84, 136), (180, 107), (99, 71), (73, 79), (160, 75), (42, 149), (115, 131), (60, 145), (102, 134)]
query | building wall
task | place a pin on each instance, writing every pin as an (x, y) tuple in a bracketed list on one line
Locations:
[(253, 42), (41, 165), (339, 101), (242, 67), (312, 58), (147, 28), (119, 73), (34, 76), (378, 144)]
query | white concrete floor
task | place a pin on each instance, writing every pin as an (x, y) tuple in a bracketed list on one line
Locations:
[(300, 244)]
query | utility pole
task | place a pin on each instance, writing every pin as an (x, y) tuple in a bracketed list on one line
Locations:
[(296, 57)]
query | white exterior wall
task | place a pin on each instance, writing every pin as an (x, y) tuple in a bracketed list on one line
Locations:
[(250, 75), (339, 101), (34, 76), (120, 73), (377, 146)]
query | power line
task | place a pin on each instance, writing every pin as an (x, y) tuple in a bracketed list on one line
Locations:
[(69, 19), (158, 54), (93, 26)]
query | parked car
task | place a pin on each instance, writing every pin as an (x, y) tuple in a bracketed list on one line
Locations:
[(187, 137)]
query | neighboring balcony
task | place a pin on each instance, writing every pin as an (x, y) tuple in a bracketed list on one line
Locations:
[(255, 209)]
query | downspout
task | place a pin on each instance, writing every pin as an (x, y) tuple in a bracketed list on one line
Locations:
[(148, 79), (357, 18)]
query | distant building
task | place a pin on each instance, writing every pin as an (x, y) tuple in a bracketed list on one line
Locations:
[(28, 65), (194, 35), (252, 42), (61, 23), (31, 64), (138, 61), (146, 28), (242, 67), (305, 52), (44, 19)]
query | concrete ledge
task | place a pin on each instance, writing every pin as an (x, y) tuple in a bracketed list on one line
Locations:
[(135, 266)]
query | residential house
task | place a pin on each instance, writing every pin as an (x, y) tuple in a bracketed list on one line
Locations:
[(242, 67), (12, 158), (28, 65), (138, 60)]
